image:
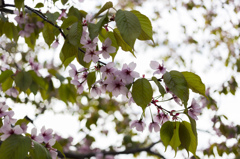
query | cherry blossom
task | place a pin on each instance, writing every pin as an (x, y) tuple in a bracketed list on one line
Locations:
[(88, 43), (79, 85), (95, 91), (3, 109), (40, 24), (117, 87), (53, 152), (161, 118), (194, 110), (127, 74), (108, 70), (159, 68), (20, 18), (107, 48), (154, 126), (139, 124), (12, 92), (35, 66), (91, 54), (46, 134), (34, 136), (63, 14), (73, 72), (55, 44)]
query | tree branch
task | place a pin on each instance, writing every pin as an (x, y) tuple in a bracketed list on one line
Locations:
[(74, 155)]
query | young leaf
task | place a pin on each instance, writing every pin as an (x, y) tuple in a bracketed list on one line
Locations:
[(166, 133), (75, 33), (175, 141), (121, 42), (177, 84), (142, 92), (91, 79), (48, 34), (39, 5), (129, 26), (5, 75), (160, 87), (23, 80), (146, 26), (105, 7), (38, 151), (15, 147), (68, 52), (7, 84), (68, 22), (194, 83), (19, 3)]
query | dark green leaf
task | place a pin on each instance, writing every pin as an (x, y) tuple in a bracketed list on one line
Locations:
[(38, 80), (56, 74), (160, 87), (146, 26), (106, 6), (166, 133), (194, 83), (121, 42), (184, 136), (177, 84), (7, 30), (77, 13), (38, 151), (75, 33), (39, 5), (142, 92), (34, 88), (129, 26), (91, 79), (68, 22), (31, 41), (64, 1), (68, 52), (5, 75), (23, 80), (15, 147), (52, 16), (94, 29)]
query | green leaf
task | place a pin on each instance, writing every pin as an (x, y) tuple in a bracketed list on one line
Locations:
[(38, 151), (19, 3), (160, 87), (7, 30), (52, 16), (64, 1), (5, 75), (68, 52), (146, 26), (106, 6), (68, 22), (166, 133), (76, 13), (94, 29), (177, 84), (175, 141), (31, 41), (48, 33), (184, 136), (75, 33), (67, 92), (23, 80), (34, 88), (38, 80), (7, 84), (56, 74), (121, 42), (103, 35), (59, 147), (129, 26), (91, 79), (193, 138), (39, 5), (194, 83), (142, 92), (15, 147)]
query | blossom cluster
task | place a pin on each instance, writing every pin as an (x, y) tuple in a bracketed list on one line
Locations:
[(26, 23), (8, 129)]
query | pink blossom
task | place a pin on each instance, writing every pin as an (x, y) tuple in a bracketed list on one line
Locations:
[(117, 87), (73, 72), (63, 14), (24, 33), (159, 68), (3, 109), (46, 134), (20, 18), (34, 136), (7, 130), (95, 91), (35, 66), (55, 44), (107, 48), (29, 27), (53, 152), (194, 110), (139, 124), (91, 54), (161, 118), (79, 85), (12, 92), (88, 43), (127, 74), (108, 69), (155, 126)]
